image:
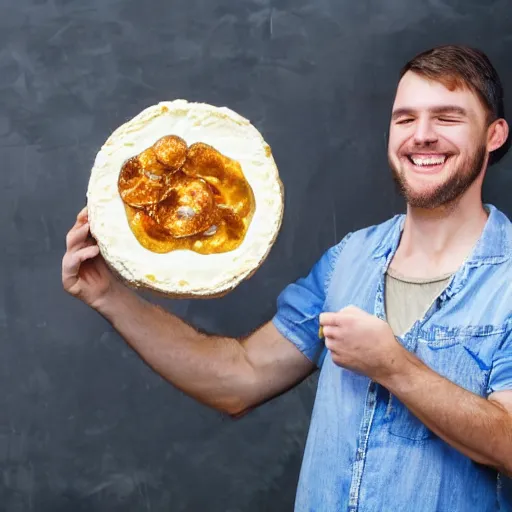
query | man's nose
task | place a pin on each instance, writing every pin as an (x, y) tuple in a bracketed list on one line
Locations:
[(424, 133)]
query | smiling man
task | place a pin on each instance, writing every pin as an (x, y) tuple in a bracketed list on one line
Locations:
[(409, 321)]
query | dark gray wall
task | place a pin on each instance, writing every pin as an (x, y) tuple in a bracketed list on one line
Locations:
[(84, 424)]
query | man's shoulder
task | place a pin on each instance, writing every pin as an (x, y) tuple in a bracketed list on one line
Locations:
[(375, 237)]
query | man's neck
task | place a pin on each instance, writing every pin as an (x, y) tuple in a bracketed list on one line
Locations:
[(436, 242)]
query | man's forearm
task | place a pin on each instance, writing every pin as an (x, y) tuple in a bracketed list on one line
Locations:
[(211, 369), (479, 428)]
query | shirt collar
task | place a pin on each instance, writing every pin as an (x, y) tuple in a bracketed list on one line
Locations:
[(494, 245)]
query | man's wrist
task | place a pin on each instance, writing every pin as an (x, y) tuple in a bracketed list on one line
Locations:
[(403, 371), (114, 301)]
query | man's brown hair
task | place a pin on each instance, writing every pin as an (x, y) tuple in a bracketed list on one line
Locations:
[(457, 66)]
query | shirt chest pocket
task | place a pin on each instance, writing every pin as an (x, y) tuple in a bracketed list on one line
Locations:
[(462, 355)]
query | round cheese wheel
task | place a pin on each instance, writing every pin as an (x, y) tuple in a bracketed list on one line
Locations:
[(183, 272)]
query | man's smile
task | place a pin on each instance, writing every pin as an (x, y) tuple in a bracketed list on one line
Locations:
[(427, 162)]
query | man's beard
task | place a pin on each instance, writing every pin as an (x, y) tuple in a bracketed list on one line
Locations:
[(447, 192)]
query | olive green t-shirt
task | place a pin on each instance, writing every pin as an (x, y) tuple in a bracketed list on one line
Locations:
[(408, 299)]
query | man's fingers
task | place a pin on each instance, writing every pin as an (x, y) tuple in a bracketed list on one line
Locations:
[(330, 331), (325, 319), (329, 319), (77, 237), (82, 214), (81, 218), (87, 253), (72, 262)]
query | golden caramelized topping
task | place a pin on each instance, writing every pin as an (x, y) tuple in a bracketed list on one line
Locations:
[(171, 151), (189, 209), (205, 162), (150, 164), (139, 187), (178, 197)]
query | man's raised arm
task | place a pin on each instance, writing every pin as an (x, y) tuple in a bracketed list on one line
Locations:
[(227, 374)]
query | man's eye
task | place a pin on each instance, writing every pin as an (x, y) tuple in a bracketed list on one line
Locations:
[(404, 121), (448, 119)]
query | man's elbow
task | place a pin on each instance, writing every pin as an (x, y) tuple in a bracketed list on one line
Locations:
[(240, 414), (235, 408), (505, 457), (505, 468), (501, 463), (240, 402)]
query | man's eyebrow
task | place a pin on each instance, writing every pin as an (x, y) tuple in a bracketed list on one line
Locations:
[(399, 112), (442, 109), (449, 109)]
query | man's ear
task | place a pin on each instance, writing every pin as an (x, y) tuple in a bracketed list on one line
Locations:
[(497, 135)]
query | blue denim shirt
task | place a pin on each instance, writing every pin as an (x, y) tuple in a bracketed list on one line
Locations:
[(365, 451)]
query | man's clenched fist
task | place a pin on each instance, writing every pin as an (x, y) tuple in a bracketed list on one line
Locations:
[(362, 342)]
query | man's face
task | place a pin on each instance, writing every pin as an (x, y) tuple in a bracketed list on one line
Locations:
[(437, 142)]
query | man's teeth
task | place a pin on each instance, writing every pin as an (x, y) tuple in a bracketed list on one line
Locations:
[(431, 160)]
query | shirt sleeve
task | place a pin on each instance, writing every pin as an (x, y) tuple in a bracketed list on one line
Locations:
[(500, 378), (301, 302)]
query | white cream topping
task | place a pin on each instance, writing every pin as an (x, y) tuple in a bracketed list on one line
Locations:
[(185, 272)]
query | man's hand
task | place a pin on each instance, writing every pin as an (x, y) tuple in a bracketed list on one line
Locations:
[(362, 342), (84, 272), (478, 428)]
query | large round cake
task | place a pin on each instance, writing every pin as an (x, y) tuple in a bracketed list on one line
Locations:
[(185, 199)]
